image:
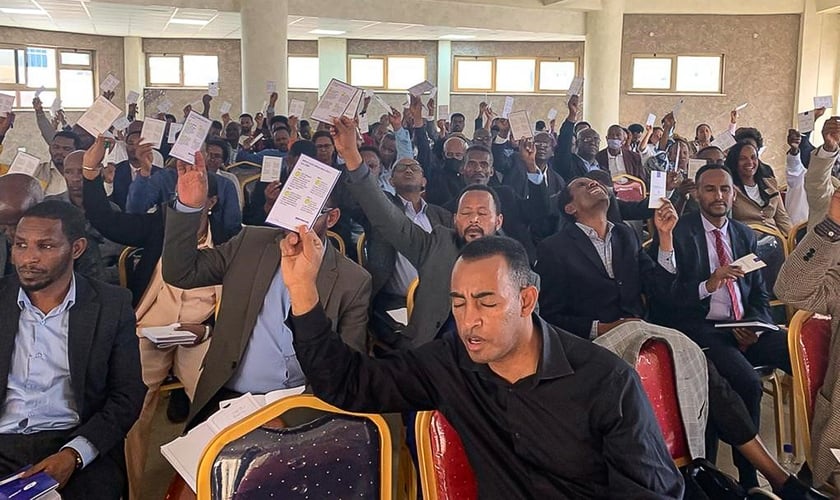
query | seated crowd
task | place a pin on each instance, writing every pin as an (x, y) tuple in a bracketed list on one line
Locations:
[(524, 264)]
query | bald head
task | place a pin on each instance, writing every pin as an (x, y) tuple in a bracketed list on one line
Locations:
[(18, 192)]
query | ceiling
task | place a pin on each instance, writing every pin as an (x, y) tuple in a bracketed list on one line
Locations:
[(153, 21)]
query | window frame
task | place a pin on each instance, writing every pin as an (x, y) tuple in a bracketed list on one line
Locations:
[(17, 88), (674, 58), (300, 89), (538, 60), (385, 67), (180, 56)]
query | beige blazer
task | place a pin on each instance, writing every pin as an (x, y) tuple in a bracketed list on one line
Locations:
[(774, 214), (245, 266), (810, 280)]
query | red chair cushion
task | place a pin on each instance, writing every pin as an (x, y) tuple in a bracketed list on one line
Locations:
[(813, 348), (455, 477), (655, 366), (629, 190)]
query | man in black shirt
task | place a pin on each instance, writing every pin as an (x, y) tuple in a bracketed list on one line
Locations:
[(542, 413)]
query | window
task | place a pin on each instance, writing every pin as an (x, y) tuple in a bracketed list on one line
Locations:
[(303, 72), (387, 72), (678, 74), (513, 74), (182, 70), (64, 73)]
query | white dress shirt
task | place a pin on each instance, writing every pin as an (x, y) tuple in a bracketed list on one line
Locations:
[(720, 307)]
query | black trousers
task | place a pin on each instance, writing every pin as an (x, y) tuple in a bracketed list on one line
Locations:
[(103, 479), (736, 368)]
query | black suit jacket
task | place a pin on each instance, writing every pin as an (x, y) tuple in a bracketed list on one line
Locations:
[(683, 307), (122, 180), (565, 162), (576, 289), (104, 359)]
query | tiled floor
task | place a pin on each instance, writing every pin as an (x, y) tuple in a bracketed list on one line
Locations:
[(159, 472)]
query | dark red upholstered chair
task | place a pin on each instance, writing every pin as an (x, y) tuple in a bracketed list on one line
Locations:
[(445, 471)]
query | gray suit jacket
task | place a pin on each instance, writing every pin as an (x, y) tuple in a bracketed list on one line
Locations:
[(245, 266), (104, 357), (432, 254), (810, 280)]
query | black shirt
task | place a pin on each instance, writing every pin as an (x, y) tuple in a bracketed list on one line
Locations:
[(580, 427)]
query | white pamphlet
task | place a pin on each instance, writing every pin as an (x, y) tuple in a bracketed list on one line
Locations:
[(520, 125), (741, 106), (552, 114), (824, 101), (296, 108), (99, 117), (749, 263), (399, 315), (443, 112), (677, 107), (118, 153), (168, 334), (421, 88), (836, 453), (191, 138), (651, 120), (335, 101), (225, 107), (25, 163), (109, 83), (121, 123), (658, 181), (133, 97), (575, 87), (174, 128), (40, 91), (271, 168), (508, 107), (55, 108), (806, 122), (213, 89), (354, 105), (270, 86), (724, 140), (250, 140), (304, 194), (433, 92), (364, 126), (6, 103), (382, 103), (165, 105), (694, 165), (152, 132), (750, 325)]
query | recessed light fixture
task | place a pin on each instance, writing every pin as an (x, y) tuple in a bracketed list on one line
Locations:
[(191, 22), (457, 37), (327, 32), (27, 12)]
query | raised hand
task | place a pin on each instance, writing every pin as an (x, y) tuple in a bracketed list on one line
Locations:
[(665, 219), (344, 133), (92, 159), (108, 94), (37, 105), (301, 256), (527, 152), (574, 108), (794, 139), (415, 109), (395, 119), (721, 276), (818, 112), (192, 182), (145, 154), (272, 99), (6, 122)]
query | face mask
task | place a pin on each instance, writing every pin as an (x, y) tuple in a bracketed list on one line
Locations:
[(453, 164), (614, 143)]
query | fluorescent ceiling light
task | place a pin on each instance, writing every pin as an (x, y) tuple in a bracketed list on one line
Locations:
[(327, 32), (30, 12), (457, 37), (192, 22)]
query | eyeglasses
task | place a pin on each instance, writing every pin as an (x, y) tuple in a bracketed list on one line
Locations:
[(326, 210), (414, 167)]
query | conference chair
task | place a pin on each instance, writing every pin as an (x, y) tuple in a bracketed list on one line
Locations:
[(796, 234), (445, 470), (247, 187), (338, 455), (361, 250), (127, 263), (409, 296), (772, 248), (809, 338), (337, 241), (244, 170), (629, 188)]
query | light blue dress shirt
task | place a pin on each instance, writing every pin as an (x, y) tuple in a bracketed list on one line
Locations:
[(404, 271), (39, 396)]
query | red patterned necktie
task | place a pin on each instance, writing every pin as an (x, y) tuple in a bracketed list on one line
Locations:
[(723, 260)]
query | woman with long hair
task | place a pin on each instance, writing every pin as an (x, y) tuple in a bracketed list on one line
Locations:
[(758, 199)]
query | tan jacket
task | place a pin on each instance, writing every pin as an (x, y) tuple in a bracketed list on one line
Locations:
[(245, 266), (774, 214), (810, 280), (819, 186)]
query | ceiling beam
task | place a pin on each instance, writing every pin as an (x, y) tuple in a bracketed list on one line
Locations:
[(717, 7)]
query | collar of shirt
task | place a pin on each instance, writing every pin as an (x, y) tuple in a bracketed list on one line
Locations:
[(610, 155), (592, 233), (589, 165), (553, 362), (409, 206), (26, 305), (709, 227)]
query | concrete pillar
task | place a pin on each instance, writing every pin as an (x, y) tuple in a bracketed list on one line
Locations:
[(264, 50), (135, 68), (332, 61), (602, 64), (444, 74)]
